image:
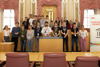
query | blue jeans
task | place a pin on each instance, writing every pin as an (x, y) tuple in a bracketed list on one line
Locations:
[(23, 43), (36, 44), (30, 45), (74, 40)]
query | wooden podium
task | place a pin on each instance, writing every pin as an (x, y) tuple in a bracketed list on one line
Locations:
[(50, 44), (6, 47)]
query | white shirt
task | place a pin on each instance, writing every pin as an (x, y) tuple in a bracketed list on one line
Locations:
[(31, 21), (46, 30), (6, 32), (83, 34)]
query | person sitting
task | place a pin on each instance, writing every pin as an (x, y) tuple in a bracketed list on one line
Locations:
[(55, 30), (46, 31)]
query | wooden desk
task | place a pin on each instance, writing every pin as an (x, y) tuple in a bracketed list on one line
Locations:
[(6, 47), (38, 57), (51, 44)]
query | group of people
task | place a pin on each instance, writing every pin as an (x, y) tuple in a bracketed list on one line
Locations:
[(38, 26)]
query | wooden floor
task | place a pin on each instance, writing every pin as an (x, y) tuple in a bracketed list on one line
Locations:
[(70, 56)]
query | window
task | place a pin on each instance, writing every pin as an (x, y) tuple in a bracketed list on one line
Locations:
[(87, 14), (8, 18)]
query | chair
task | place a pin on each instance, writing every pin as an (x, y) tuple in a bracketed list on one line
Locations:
[(54, 60), (18, 60), (82, 61)]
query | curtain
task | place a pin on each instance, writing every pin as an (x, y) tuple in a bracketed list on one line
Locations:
[(87, 4), (11, 4)]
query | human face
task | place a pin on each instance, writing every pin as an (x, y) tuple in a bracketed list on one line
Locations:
[(46, 25), (30, 27), (25, 19), (74, 26), (6, 27), (16, 24), (22, 27), (64, 24), (56, 24), (38, 24), (82, 27)]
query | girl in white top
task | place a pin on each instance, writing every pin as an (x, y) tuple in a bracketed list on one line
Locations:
[(6, 34), (83, 38)]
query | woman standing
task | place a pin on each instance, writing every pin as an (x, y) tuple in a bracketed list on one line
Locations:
[(37, 35), (83, 36), (30, 35), (6, 34)]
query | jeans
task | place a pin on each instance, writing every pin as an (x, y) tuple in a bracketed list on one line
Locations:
[(23, 43), (74, 40), (15, 40), (36, 44), (65, 40), (30, 45)]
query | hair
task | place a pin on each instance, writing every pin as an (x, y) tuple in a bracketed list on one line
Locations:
[(42, 16), (29, 26), (74, 23), (17, 23), (26, 17), (82, 25), (46, 22), (39, 15), (30, 14), (55, 22), (35, 15), (5, 27), (46, 15), (22, 26)]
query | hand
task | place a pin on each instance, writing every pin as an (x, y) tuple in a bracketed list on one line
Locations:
[(37, 36), (65, 36), (3, 40), (84, 38), (28, 39), (22, 36)]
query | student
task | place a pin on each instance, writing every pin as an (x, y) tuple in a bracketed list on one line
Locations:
[(51, 24), (58, 21), (46, 31), (23, 38), (30, 35), (47, 19), (31, 20), (64, 33), (15, 35), (6, 34), (83, 38), (37, 35), (25, 23), (42, 21), (55, 30), (77, 23), (74, 32), (39, 18), (34, 24)]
